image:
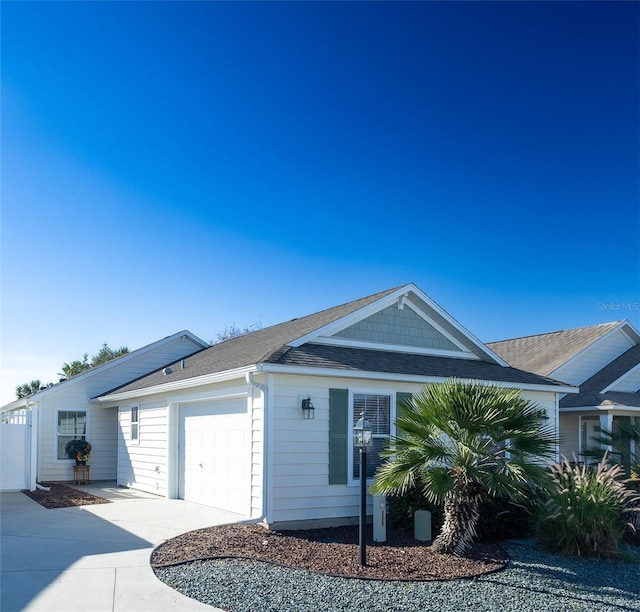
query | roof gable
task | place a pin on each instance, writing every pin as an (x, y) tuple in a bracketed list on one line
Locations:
[(153, 353), (403, 320), (546, 354), (629, 382), (439, 335), (395, 326), (615, 384)]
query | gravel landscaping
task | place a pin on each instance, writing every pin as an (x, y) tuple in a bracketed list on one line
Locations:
[(531, 581)]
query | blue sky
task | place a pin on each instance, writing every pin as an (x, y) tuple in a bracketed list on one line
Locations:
[(194, 165)]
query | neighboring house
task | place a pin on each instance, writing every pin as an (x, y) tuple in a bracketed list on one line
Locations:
[(225, 427), (65, 411), (603, 360)]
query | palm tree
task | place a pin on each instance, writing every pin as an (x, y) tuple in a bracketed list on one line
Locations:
[(106, 353), (75, 367), (461, 440), (620, 445), (27, 389)]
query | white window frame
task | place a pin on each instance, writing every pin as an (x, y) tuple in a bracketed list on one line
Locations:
[(56, 428), (584, 443), (392, 428), (134, 439)]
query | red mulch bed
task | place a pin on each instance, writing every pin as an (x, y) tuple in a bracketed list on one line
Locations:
[(333, 551), (61, 496)]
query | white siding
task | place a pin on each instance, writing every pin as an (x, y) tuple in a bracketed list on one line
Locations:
[(142, 464), (257, 452), (300, 449), (102, 423), (151, 464), (101, 433), (586, 364)]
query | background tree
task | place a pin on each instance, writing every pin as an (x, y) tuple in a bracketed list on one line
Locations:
[(233, 331), (75, 367), (27, 389), (453, 441), (106, 353), (78, 366)]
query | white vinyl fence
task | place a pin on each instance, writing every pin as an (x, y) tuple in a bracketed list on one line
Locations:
[(15, 451)]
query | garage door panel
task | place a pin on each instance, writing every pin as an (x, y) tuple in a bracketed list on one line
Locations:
[(213, 466)]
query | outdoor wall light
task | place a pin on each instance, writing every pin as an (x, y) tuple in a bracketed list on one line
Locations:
[(307, 408)]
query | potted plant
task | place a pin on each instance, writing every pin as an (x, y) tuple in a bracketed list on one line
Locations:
[(78, 450)]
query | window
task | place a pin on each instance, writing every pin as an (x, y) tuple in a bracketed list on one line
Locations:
[(377, 410), (135, 423), (72, 425), (590, 428)]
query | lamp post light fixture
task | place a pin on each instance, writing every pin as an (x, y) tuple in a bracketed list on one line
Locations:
[(361, 439)]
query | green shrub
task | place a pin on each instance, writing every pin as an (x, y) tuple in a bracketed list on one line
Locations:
[(402, 508), (501, 518), (584, 513)]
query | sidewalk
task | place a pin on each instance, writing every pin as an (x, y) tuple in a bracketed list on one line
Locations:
[(93, 557)]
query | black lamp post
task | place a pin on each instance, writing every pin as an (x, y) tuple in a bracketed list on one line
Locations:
[(362, 439)]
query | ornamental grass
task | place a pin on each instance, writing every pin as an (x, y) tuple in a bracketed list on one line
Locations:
[(587, 511)]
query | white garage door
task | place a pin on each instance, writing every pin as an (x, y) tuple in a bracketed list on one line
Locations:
[(213, 464)]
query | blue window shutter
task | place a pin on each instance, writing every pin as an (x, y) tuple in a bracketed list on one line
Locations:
[(338, 430)]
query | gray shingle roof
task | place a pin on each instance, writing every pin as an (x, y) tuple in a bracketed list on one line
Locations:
[(590, 391), (262, 346), (543, 353), (354, 359), (271, 346)]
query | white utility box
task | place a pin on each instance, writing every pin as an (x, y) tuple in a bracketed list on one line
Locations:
[(379, 518)]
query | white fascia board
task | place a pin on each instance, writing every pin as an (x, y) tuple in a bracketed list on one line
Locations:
[(388, 300), (395, 348), (616, 408), (354, 317), (442, 330), (592, 346), (619, 408), (186, 383), (17, 404), (631, 332), (618, 380), (392, 377), (579, 409), (463, 330)]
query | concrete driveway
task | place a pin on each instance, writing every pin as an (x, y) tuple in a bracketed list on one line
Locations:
[(93, 557)]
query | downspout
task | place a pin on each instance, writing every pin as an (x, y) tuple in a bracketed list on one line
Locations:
[(264, 389), (32, 415), (557, 428)]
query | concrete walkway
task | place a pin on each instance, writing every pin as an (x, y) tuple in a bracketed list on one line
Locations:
[(93, 557)]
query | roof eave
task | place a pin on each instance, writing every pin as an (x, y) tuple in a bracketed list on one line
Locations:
[(177, 385), (395, 377)]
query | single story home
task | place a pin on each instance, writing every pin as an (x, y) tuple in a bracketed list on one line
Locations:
[(64, 411), (603, 361), (261, 425)]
